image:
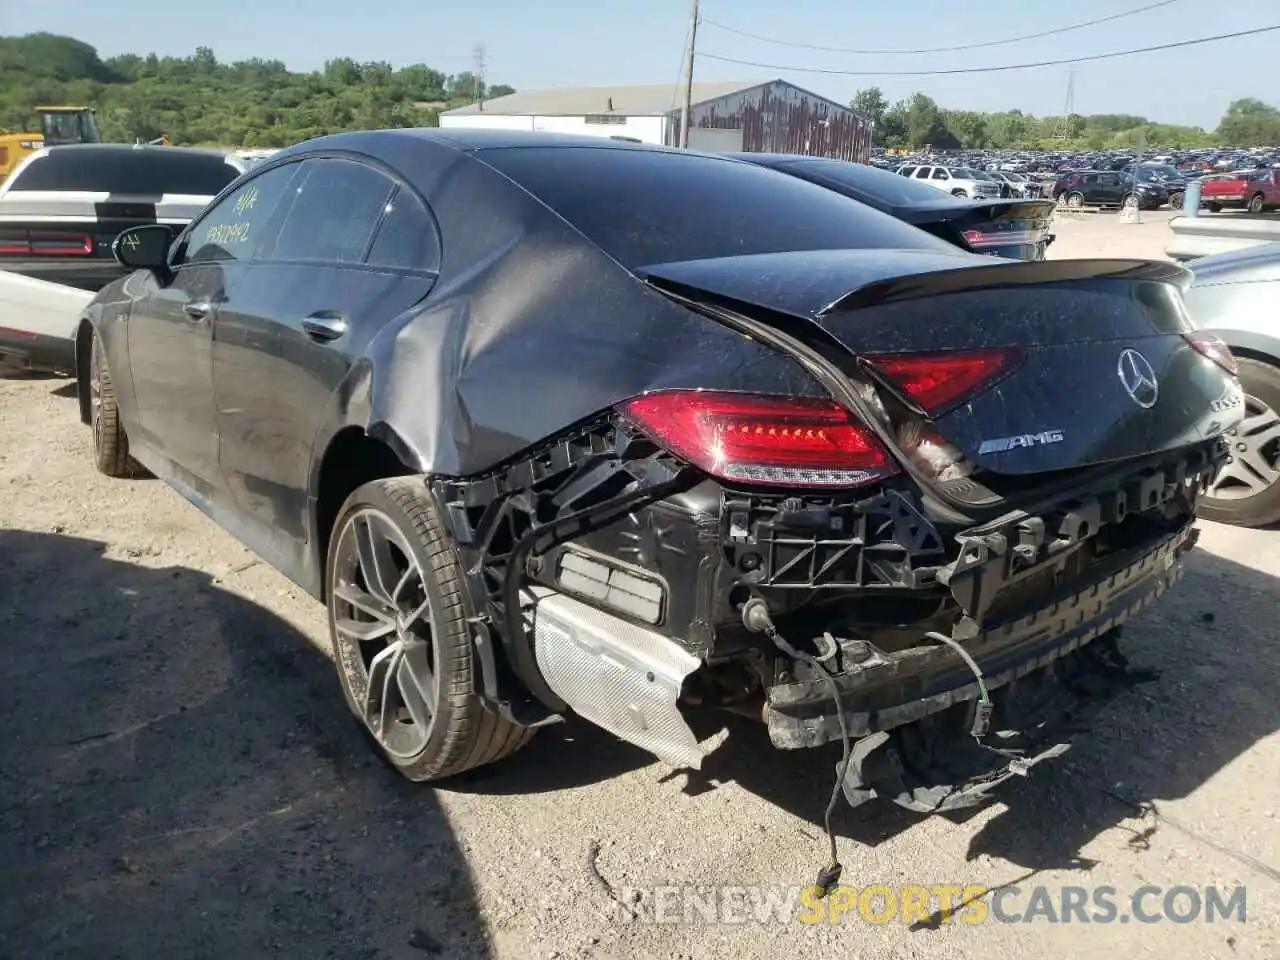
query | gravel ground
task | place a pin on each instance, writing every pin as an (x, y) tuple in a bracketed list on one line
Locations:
[(180, 778)]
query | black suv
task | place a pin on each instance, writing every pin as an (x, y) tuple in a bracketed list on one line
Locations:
[(1112, 188)]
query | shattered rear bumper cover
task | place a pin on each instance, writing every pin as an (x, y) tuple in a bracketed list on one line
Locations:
[(887, 691)]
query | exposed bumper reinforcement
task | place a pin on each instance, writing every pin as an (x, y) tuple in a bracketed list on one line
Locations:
[(888, 691)]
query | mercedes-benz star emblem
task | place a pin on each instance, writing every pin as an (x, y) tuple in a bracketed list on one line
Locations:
[(1138, 379)]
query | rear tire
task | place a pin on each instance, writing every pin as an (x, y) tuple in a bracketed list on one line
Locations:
[(401, 642), (1175, 200), (110, 443), (1257, 203), (1214, 207), (1247, 491)]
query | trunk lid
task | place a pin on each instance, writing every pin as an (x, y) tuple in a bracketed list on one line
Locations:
[(1103, 371)]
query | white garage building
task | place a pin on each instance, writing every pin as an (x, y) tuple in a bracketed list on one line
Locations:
[(751, 115)]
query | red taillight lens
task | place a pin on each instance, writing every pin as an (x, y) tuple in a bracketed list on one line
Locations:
[(1217, 351), (23, 243), (779, 441), (937, 381), (973, 237)]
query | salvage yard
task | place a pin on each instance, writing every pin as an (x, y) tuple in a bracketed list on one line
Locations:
[(179, 776)]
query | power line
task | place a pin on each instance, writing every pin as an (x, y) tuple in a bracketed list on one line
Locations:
[(999, 69), (967, 46)]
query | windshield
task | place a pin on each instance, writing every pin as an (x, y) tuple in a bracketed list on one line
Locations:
[(67, 128), (646, 207), (1151, 171), (150, 171), (877, 187)]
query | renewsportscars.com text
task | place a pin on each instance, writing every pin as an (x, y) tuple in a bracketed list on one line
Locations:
[(949, 903)]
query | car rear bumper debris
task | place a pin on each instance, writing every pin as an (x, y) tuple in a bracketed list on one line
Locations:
[(888, 690)]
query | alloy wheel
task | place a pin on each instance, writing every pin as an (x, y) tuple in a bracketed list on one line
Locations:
[(1075, 201), (95, 393), (1254, 455), (382, 622)]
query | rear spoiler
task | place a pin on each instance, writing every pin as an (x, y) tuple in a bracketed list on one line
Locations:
[(812, 284), (1015, 273)]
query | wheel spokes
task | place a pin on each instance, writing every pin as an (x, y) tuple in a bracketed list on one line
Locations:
[(377, 564), (381, 616), (1252, 467)]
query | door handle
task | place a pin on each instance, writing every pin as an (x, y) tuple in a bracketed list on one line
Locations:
[(197, 309), (324, 325)]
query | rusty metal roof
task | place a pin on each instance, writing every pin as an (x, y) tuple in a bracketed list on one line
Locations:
[(653, 100)]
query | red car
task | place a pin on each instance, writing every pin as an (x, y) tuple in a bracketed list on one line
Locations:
[(1254, 190)]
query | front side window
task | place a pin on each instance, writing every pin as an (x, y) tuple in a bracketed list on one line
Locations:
[(337, 207), (236, 227)]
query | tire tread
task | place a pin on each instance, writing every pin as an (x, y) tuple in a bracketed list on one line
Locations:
[(476, 734)]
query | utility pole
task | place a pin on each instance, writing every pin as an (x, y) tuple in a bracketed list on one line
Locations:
[(688, 77), (478, 75), (1065, 131)]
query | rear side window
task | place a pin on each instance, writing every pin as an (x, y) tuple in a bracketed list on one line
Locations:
[(167, 170), (879, 184), (337, 208), (647, 207), (407, 238)]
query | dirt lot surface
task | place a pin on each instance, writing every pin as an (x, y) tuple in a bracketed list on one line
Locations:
[(179, 777)]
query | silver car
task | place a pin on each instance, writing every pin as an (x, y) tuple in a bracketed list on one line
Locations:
[(1236, 296)]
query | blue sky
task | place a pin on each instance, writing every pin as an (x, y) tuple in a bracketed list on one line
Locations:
[(581, 42)]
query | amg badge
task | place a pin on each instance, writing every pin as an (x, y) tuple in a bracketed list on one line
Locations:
[(1001, 444)]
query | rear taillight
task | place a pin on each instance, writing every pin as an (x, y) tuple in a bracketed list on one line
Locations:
[(23, 243), (937, 381), (1216, 350), (779, 441)]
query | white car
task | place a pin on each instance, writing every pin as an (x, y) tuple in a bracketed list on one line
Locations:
[(38, 322), (957, 181), (60, 212)]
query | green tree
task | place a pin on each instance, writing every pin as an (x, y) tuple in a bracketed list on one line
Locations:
[(198, 99), (1250, 123), (870, 104)]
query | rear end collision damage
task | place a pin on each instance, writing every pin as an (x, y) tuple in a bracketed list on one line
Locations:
[(843, 568)]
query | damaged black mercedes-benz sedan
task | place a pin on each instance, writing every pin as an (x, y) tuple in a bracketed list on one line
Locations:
[(555, 424)]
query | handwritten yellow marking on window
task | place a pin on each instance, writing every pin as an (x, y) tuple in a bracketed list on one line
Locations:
[(246, 201), (229, 233), (131, 241)]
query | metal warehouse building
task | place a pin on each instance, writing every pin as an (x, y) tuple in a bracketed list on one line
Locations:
[(770, 116)]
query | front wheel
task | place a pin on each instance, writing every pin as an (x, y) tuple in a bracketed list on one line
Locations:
[(1075, 200), (1246, 492), (401, 642), (960, 194), (110, 443)]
